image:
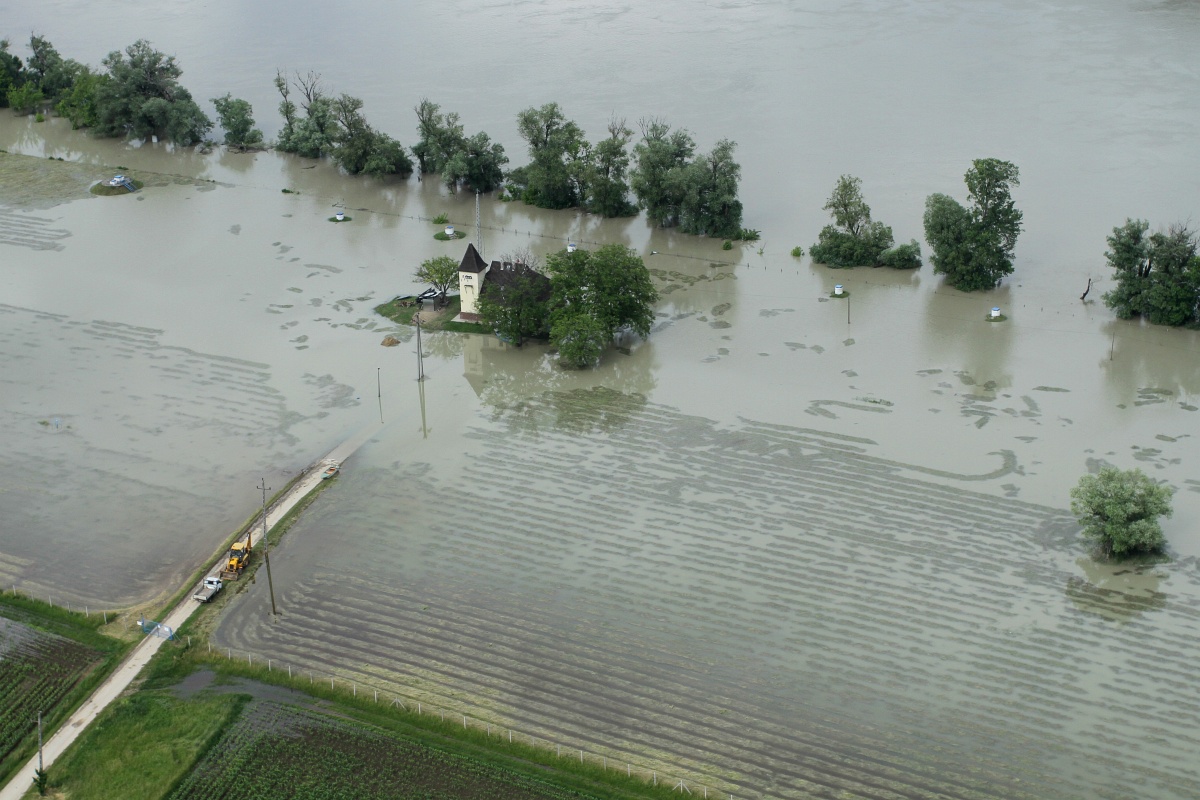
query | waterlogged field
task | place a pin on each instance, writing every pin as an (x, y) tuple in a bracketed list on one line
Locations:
[(275, 752), (37, 670), (777, 611)]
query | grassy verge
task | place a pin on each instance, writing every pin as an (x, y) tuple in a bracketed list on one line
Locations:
[(142, 746), (78, 627)]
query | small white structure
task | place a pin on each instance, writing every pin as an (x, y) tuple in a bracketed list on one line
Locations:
[(996, 312), (341, 215), (571, 247), (450, 231), (837, 289)]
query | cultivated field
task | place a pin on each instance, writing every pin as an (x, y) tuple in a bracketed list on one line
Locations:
[(276, 752), (769, 609), (37, 670)]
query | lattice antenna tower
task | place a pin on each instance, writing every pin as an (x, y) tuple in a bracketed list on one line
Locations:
[(478, 227)]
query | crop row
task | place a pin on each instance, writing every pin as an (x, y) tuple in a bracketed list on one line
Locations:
[(39, 670), (276, 752)]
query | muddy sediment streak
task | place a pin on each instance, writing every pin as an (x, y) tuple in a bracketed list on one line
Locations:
[(772, 610)]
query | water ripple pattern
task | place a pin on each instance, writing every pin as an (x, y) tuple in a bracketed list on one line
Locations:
[(773, 610)]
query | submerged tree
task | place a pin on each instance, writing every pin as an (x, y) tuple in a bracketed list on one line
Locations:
[(237, 119), (143, 97), (658, 177), (608, 186), (1119, 510), (1158, 274), (855, 239), (710, 204), (610, 284), (312, 134), (12, 71), (515, 302), (476, 162), (556, 176), (974, 246)]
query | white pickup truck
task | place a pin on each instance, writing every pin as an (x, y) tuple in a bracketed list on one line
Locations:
[(208, 590)]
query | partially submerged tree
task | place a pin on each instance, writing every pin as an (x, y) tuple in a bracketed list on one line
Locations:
[(1158, 274), (12, 71), (610, 285), (608, 186), (580, 339), (1119, 510), (855, 239), (710, 203), (556, 176), (143, 97), (440, 272), (312, 133), (657, 179), (974, 246), (237, 119)]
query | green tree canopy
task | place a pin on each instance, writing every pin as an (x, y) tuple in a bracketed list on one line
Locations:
[(610, 284), (478, 164), (314, 132), (855, 239), (608, 185), (580, 339), (658, 178), (237, 119), (1158, 274), (440, 272), (1119, 510), (79, 103), (974, 246), (143, 97), (12, 72), (556, 176), (710, 203)]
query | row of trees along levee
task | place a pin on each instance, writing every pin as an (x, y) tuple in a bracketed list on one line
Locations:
[(138, 94)]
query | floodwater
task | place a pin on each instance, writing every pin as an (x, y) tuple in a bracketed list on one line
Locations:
[(789, 546)]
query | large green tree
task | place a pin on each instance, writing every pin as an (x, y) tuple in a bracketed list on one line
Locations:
[(710, 204), (143, 97), (359, 148), (610, 284), (237, 119), (441, 134), (1158, 274), (1119, 510), (557, 174), (973, 246), (478, 164), (79, 103), (658, 179)]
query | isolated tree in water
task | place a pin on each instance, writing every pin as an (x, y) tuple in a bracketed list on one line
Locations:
[(973, 246), (1119, 510), (237, 119)]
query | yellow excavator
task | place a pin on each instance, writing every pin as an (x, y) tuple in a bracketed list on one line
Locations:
[(239, 555)]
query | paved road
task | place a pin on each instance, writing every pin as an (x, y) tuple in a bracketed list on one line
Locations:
[(117, 682)]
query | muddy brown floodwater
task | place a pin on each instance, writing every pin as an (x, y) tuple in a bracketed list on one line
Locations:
[(789, 546)]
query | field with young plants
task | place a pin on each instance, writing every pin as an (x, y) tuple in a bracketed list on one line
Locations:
[(275, 752), (39, 670)]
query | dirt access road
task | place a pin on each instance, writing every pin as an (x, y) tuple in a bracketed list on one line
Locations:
[(117, 682)]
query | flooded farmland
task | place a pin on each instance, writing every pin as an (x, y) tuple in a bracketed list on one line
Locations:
[(790, 546)]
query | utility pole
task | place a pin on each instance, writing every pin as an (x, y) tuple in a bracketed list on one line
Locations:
[(266, 552), (39, 741), (420, 355), (379, 390)]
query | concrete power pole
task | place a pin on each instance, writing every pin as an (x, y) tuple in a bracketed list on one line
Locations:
[(266, 552)]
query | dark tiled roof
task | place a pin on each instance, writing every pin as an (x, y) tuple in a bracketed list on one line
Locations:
[(501, 275), (472, 261)]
